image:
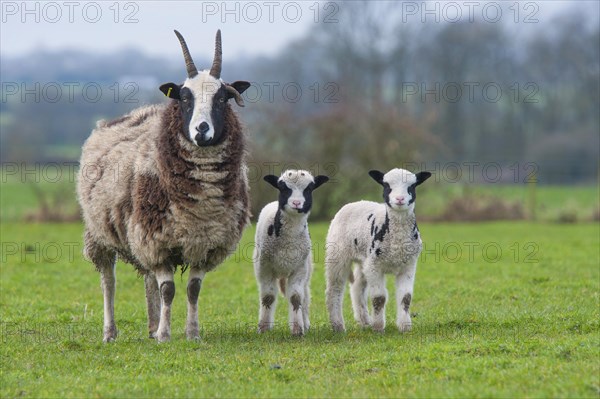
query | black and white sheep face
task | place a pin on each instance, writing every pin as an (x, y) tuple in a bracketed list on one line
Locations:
[(399, 187), (295, 189), (203, 98)]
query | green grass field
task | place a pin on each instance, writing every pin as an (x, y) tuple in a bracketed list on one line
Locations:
[(516, 316)]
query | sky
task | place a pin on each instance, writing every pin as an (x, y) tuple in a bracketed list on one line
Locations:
[(249, 28)]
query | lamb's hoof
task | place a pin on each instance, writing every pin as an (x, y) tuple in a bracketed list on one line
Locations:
[(297, 330), (193, 335), (264, 327), (110, 334), (152, 334), (404, 327), (338, 327), (379, 327)]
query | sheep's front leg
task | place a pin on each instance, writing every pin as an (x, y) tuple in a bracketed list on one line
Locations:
[(358, 293), (267, 301), (166, 286), (376, 286), (153, 303), (404, 290), (295, 295), (192, 330)]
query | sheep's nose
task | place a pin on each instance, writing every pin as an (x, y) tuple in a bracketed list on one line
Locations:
[(400, 200), (203, 128), (296, 203)]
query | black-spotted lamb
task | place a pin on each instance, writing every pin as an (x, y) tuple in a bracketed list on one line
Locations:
[(379, 239), (283, 249), (166, 186)]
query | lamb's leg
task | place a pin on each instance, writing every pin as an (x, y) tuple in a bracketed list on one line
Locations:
[(336, 276), (192, 330), (376, 286), (164, 278), (153, 303), (358, 293), (104, 259), (404, 290), (306, 303), (295, 295), (267, 301)]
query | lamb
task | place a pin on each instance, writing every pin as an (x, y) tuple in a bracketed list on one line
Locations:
[(166, 186), (380, 239), (283, 249)]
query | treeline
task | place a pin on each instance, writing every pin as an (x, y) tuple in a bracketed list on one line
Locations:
[(369, 91)]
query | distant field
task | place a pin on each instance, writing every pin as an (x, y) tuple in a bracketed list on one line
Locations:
[(500, 310), (549, 203)]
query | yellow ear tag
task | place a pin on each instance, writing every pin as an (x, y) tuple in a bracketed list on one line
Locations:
[(169, 92)]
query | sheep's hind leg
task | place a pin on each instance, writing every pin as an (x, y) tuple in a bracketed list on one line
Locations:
[(153, 303), (166, 286), (358, 293), (192, 329)]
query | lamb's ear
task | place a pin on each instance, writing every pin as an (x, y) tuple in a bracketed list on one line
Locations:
[(321, 179), (240, 85), (170, 90), (272, 180), (422, 176), (377, 176)]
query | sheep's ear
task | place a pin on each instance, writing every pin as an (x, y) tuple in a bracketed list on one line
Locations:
[(321, 179), (422, 176), (171, 90), (377, 176), (272, 180), (240, 85)]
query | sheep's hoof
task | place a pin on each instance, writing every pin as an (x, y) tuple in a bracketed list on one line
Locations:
[(193, 335), (379, 327), (163, 337), (110, 334), (404, 327), (152, 334), (338, 327)]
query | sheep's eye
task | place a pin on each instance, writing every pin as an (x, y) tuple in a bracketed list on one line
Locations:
[(221, 100), (184, 99)]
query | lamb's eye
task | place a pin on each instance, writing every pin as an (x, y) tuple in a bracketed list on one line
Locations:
[(184, 99), (221, 100)]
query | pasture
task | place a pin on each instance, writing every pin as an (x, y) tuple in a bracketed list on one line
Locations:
[(499, 310)]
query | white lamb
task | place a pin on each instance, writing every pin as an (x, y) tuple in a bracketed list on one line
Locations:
[(380, 239), (283, 249)]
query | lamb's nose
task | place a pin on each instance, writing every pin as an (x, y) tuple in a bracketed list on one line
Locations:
[(400, 200), (296, 203), (203, 128)]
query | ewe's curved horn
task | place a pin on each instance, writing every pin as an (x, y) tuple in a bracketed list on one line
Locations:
[(189, 63), (215, 70), (236, 95)]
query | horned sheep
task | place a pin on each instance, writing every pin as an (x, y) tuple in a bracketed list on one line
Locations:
[(283, 249), (166, 186), (380, 239)]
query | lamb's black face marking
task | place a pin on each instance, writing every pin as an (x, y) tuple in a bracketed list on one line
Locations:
[(295, 189), (277, 223)]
